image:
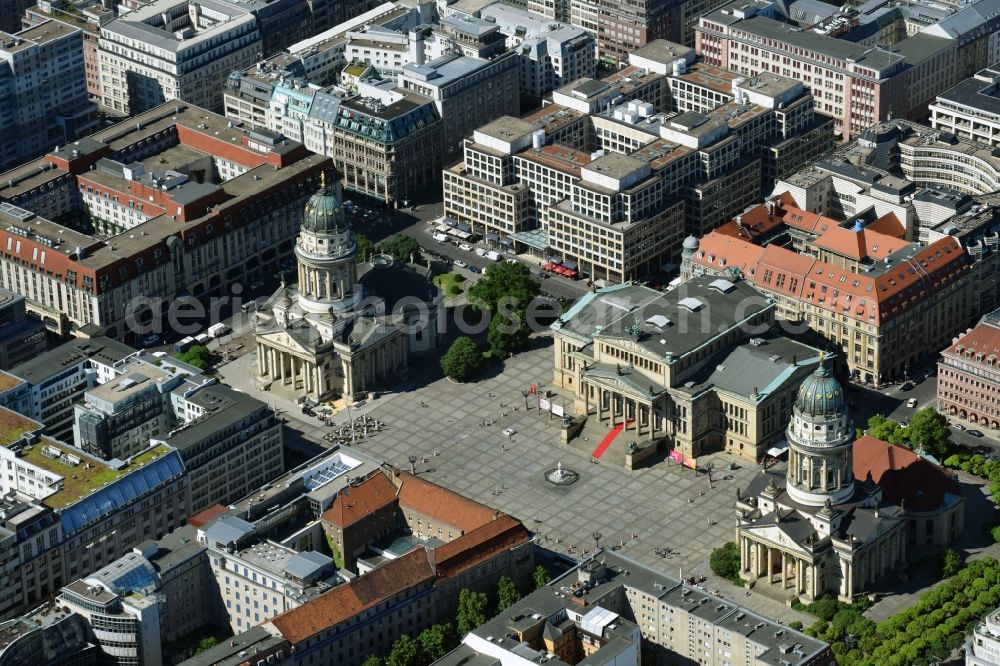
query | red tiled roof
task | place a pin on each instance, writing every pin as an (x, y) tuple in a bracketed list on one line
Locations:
[(753, 223), (359, 500), (441, 504), (864, 244), (870, 298), (889, 225), (983, 339), (811, 222), (206, 516), (902, 474), (345, 601), (480, 544)]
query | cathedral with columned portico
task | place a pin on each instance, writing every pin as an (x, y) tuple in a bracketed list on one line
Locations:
[(324, 337), (817, 529)]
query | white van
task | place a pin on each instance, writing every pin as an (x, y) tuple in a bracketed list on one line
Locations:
[(493, 255), (440, 238), (480, 252)]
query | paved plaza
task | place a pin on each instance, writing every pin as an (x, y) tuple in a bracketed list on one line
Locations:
[(439, 422)]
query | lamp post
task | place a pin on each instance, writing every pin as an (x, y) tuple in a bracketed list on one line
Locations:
[(597, 536), (524, 394), (413, 464)]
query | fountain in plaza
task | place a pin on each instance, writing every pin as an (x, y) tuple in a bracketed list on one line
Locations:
[(561, 476)]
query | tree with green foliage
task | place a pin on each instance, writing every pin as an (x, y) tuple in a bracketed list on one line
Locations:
[(541, 577), (507, 593), (402, 248), (462, 360), (928, 430), (365, 248), (506, 291), (951, 562), (206, 644), (471, 610), (405, 652), (436, 641), (885, 429), (372, 660), (725, 563), (196, 356)]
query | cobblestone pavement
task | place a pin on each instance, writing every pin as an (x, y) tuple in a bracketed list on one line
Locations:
[(439, 422)]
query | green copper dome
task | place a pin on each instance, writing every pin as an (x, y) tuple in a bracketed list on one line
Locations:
[(324, 211), (820, 394)]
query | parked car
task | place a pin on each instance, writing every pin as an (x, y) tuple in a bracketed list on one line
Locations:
[(975, 433), (465, 246), (461, 264), (509, 432), (474, 269), (906, 386), (542, 275), (911, 403), (150, 340), (958, 426)]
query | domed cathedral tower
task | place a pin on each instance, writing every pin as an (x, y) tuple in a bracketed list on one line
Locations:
[(323, 338), (821, 440), (326, 254)]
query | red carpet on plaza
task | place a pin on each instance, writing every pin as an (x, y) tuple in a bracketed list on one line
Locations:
[(606, 442)]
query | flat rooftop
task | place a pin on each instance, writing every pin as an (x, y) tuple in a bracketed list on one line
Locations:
[(708, 76), (138, 379), (672, 324), (81, 479), (664, 51), (39, 34), (55, 361), (506, 128)]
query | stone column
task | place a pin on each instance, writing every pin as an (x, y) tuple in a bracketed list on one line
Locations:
[(770, 564), (823, 483), (784, 570), (586, 400)]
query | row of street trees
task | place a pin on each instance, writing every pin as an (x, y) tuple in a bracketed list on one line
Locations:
[(927, 430), (923, 634), (438, 640)]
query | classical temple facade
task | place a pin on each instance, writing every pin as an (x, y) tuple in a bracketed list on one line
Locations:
[(817, 529), (324, 337)]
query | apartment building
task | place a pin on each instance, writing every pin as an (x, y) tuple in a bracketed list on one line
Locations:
[(882, 302), (687, 621), (387, 147), (21, 337), (88, 16), (983, 647), (118, 418), (698, 364), (620, 28), (317, 60), (551, 54), (175, 50), (60, 377), (467, 92), (547, 628), (969, 375), (43, 93), (863, 65), (230, 442), (226, 207), (613, 180), (83, 512), (971, 109)]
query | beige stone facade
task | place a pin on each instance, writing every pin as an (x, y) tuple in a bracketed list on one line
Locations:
[(660, 372)]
